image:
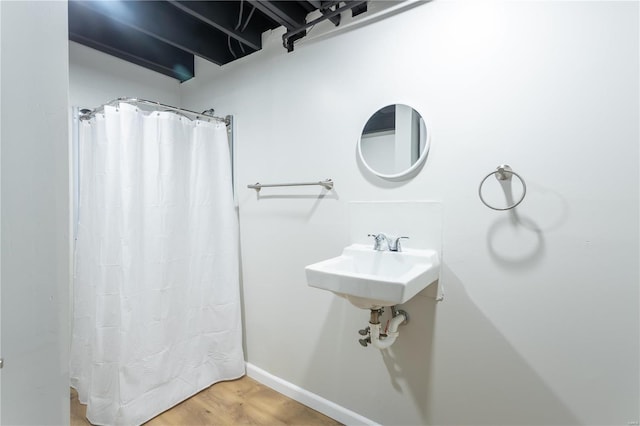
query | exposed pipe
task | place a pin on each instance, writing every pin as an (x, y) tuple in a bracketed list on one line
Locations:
[(288, 37), (392, 332), (374, 337)]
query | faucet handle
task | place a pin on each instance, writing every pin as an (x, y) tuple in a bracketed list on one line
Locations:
[(378, 239)]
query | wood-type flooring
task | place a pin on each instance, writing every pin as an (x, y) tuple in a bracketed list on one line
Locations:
[(237, 402)]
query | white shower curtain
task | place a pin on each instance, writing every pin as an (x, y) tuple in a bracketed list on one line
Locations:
[(156, 294)]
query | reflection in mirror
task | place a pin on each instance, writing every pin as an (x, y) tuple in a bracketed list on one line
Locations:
[(394, 141)]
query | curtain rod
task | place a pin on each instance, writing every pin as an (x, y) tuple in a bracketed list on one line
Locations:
[(86, 114)]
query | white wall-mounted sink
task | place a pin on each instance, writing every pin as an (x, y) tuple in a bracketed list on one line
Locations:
[(371, 279)]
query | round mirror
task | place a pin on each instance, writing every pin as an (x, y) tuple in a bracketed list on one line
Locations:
[(394, 142)]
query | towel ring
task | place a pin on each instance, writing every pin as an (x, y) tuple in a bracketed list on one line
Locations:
[(503, 172)]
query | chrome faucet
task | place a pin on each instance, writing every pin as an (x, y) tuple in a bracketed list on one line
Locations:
[(392, 243), (378, 239)]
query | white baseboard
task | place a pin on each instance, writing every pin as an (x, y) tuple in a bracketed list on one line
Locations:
[(303, 396)]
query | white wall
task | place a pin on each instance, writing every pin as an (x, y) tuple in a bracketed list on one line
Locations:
[(540, 320), (96, 78), (35, 213)]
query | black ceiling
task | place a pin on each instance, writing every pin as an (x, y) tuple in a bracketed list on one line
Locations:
[(164, 35)]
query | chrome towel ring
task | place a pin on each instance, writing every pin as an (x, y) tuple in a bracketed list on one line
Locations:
[(503, 173)]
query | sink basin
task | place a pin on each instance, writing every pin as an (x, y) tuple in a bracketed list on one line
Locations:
[(371, 279)]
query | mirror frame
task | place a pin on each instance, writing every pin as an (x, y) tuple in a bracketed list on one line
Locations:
[(415, 166)]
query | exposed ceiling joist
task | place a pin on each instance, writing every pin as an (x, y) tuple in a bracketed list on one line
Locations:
[(160, 20), (221, 16), (288, 14), (295, 33), (91, 29), (165, 35), (325, 6)]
